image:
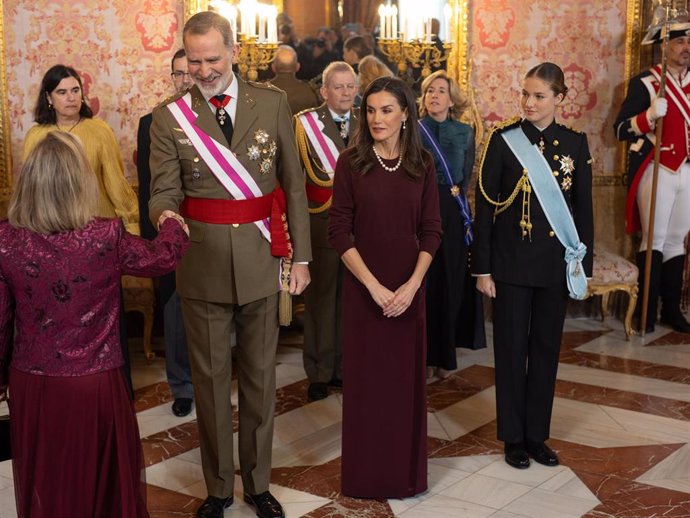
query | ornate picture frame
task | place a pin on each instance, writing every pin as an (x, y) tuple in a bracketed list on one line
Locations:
[(5, 145)]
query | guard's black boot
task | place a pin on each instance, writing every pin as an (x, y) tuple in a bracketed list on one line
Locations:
[(654, 287), (671, 288)]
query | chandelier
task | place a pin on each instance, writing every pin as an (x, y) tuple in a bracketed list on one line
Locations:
[(256, 31), (407, 38)]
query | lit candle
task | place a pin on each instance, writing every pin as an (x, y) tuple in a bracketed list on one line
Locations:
[(382, 20), (262, 24), (244, 12), (273, 24), (448, 16), (395, 22), (232, 11)]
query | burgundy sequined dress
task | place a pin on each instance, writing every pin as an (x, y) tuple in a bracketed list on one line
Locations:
[(75, 441), (389, 218)]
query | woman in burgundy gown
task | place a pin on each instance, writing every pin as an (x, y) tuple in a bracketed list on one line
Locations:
[(385, 224), (75, 442)]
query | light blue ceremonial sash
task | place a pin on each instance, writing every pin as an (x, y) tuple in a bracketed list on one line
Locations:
[(553, 204)]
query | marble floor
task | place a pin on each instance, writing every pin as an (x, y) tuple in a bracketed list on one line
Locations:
[(621, 426)]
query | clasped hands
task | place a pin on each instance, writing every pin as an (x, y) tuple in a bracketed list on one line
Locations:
[(393, 303), (174, 215)]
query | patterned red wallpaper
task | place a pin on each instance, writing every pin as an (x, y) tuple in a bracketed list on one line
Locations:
[(585, 37), (121, 48)]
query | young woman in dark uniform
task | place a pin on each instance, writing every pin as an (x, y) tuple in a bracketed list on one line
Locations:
[(520, 261)]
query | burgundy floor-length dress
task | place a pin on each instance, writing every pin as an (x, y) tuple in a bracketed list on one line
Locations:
[(392, 219)]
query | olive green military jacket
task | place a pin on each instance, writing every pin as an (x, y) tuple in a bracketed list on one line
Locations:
[(230, 263)]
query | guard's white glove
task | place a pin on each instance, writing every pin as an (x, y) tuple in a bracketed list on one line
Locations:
[(657, 110)]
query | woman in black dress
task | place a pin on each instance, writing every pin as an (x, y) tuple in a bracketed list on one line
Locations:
[(451, 143)]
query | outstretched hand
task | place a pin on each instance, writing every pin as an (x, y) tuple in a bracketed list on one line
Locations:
[(166, 214)]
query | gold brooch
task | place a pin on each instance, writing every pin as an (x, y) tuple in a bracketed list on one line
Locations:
[(455, 191)]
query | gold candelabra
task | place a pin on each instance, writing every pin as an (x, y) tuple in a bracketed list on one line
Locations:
[(419, 53), (254, 56)]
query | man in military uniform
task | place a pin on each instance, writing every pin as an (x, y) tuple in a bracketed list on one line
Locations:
[(322, 133), (220, 153), (636, 122), (300, 94)]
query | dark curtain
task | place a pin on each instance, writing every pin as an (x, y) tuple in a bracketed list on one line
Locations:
[(363, 11)]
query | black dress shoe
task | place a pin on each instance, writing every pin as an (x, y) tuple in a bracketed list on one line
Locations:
[(266, 505), (541, 453), (516, 455), (336, 383), (182, 406), (213, 507), (317, 391)]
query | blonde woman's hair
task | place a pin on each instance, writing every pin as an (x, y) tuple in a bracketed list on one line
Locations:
[(370, 68), (56, 189), (456, 96)]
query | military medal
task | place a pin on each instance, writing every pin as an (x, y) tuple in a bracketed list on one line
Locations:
[(253, 151), (221, 115), (262, 149), (343, 128), (196, 174), (567, 166)]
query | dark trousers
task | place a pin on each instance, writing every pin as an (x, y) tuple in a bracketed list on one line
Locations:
[(528, 324), (177, 367)]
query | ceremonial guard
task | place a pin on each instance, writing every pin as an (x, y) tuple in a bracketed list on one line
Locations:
[(224, 153), (532, 248), (636, 123), (322, 133)]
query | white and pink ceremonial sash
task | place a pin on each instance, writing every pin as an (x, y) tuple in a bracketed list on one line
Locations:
[(674, 91), (324, 146), (222, 162)]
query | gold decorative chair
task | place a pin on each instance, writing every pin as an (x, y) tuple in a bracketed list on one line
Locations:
[(611, 272), (139, 296)]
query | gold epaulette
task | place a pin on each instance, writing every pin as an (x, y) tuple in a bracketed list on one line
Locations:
[(306, 110), (504, 124), (569, 128), (265, 86), (173, 98)]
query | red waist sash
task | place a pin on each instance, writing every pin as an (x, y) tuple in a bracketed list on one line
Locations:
[(226, 212), (318, 194)]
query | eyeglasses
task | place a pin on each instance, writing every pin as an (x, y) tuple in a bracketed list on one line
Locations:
[(179, 75)]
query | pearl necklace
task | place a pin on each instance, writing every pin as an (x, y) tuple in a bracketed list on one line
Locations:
[(389, 169)]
